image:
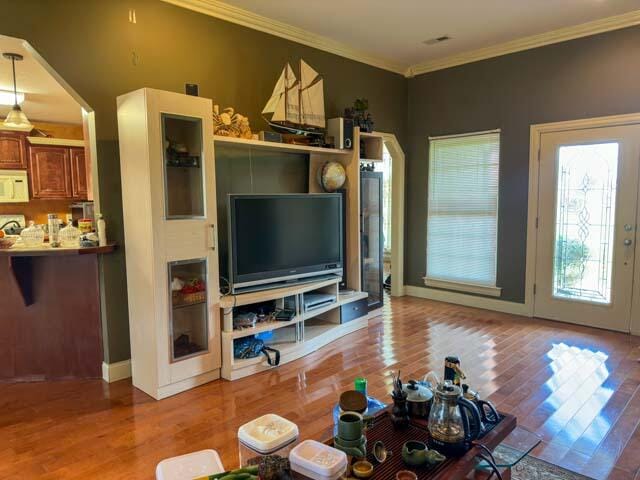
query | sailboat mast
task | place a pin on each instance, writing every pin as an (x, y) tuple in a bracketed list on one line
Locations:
[(300, 96), (286, 82)]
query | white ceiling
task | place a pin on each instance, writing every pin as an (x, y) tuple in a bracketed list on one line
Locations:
[(45, 99), (394, 31)]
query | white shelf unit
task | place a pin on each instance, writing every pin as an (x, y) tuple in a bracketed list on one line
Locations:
[(319, 327), (308, 332), (169, 206), (160, 241)]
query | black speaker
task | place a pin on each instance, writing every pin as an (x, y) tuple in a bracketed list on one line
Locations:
[(341, 129)]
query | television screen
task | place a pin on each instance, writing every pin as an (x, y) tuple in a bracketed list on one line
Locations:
[(284, 236)]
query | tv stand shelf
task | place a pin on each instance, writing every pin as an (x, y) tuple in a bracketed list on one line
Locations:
[(311, 330)]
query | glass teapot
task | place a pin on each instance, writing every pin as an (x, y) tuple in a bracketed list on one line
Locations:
[(453, 421)]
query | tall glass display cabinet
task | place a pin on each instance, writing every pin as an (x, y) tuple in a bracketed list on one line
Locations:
[(371, 237), (169, 203)]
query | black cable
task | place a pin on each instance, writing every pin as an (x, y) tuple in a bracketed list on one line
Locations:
[(490, 459)]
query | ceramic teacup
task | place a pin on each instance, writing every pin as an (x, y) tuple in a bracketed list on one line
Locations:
[(350, 443), (357, 452), (350, 426)]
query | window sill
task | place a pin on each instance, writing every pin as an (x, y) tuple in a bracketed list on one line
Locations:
[(463, 287)]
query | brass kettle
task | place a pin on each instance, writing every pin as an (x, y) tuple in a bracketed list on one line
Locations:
[(454, 421)]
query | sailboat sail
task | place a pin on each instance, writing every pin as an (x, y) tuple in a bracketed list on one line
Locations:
[(311, 97), (284, 98), (296, 102)]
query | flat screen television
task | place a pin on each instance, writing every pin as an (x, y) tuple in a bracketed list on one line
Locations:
[(274, 239)]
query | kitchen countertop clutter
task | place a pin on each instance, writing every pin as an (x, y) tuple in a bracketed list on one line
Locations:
[(53, 236)]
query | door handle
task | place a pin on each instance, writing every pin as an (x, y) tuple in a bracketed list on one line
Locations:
[(627, 242), (213, 236)]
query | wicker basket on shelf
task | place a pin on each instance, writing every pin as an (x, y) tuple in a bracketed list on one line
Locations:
[(180, 298)]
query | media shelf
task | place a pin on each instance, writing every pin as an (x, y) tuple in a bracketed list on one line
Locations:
[(304, 334), (278, 147)]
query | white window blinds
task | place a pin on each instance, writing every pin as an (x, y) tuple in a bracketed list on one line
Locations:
[(462, 223)]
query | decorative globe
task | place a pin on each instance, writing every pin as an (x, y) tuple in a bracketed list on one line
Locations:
[(332, 176)]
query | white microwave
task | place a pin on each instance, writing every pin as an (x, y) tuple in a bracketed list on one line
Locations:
[(13, 186)]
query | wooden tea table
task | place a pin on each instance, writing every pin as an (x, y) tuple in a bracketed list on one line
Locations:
[(462, 468)]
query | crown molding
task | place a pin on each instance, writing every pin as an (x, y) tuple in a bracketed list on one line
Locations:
[(239, 16), (230, 13), (555, 36)]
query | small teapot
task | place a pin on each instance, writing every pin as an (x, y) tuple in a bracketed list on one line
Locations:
[(416, 454)]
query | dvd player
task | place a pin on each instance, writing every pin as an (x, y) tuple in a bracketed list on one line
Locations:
[(313, 301)]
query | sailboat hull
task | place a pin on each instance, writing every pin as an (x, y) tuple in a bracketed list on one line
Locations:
[(290, 128)]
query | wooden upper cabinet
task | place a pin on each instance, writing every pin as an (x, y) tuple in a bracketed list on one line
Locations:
[(12, 150), (50, 169), (79, 185)]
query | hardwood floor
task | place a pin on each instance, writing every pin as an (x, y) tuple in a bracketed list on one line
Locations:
[(579, 388)]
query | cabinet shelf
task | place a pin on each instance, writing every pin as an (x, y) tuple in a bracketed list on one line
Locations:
[(261, 327), (278, 147), (190, 304)]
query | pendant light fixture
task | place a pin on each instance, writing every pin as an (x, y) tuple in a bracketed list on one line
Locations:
[(16, 119)]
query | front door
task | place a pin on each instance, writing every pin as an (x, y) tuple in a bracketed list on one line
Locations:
[(587, 205)]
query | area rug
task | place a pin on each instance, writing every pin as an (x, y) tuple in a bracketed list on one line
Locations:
[(531, 468)]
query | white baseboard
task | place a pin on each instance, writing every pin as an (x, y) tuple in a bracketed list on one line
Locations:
[(468, 300), (112, 372)]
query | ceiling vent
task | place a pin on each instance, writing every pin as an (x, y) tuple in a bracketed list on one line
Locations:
[(433, 41)]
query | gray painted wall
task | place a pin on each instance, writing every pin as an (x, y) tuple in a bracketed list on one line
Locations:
[(588, 77)]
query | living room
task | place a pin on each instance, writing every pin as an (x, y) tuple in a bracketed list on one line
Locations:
[(286, 210)]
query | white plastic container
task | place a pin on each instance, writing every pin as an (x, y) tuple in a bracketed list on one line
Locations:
[(318, 461), (266, 435), (190, 466)]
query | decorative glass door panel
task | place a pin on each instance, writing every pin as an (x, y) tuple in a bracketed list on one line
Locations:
[(372, 238), (587, 197), (188, 319), (585, 220), (183, 169)]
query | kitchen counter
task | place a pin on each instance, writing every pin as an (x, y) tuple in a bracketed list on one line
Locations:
[(50, 313), (46, 250)]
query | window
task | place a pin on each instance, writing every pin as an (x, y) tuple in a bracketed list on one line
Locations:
[(385, 168), (462, 218)]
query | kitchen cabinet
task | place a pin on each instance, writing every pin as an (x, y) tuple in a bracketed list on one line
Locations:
[(79, 188), (50, 172), (58, 172), (12, 150)]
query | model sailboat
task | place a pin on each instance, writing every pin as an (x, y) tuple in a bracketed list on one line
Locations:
[(297, 106)]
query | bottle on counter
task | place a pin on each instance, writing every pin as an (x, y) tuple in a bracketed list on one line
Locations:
[(102, 231), (54, 228)]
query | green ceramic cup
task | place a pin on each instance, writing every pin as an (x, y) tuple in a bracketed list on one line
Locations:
[(350, 426)]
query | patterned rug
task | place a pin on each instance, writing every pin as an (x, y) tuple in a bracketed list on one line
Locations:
[(531, 468)]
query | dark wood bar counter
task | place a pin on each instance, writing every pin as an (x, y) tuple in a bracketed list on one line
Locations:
[(50, 313)]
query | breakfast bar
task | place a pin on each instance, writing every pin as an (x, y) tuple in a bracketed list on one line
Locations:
[(50, 313)]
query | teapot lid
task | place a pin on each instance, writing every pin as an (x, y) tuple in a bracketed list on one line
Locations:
[(448, 389), (416, 392)]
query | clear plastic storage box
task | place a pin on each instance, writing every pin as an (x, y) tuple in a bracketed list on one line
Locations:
[(318, 461), (266, 435)]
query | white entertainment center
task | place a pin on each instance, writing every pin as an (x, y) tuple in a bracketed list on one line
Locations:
[(168, 167)]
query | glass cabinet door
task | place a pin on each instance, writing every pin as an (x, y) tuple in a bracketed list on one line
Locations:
[(372, 239), (183, 169), (188, 320)]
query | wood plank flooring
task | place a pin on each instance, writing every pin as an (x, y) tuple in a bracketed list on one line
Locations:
[(579, 388)]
